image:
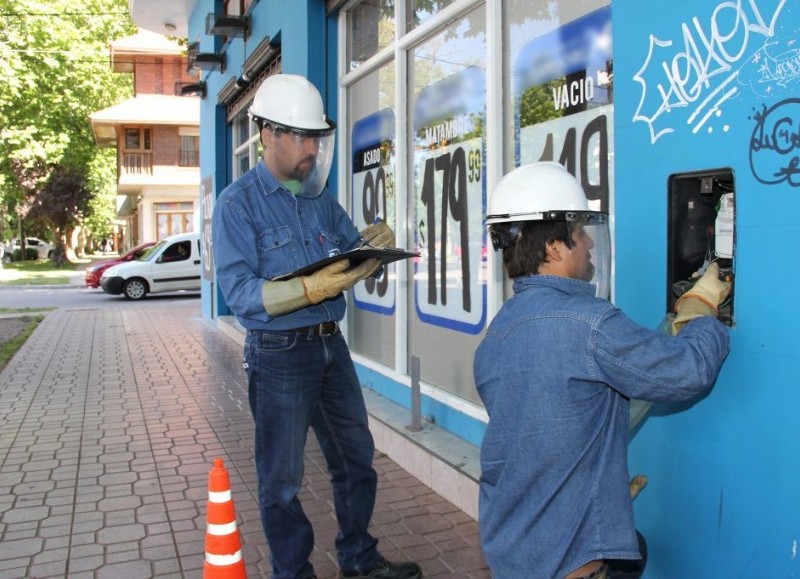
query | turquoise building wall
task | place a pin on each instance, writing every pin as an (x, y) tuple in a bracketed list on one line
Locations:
[(707, 85)]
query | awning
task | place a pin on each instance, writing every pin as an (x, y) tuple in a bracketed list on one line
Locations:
[(144, 110)]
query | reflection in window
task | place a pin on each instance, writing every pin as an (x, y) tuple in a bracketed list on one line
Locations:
[(421, 10), (372, 195), (247, 149), (241, 128), (560, 88), (448, 96), (370, 27), (558, 67)]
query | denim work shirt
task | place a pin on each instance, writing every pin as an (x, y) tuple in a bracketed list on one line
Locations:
[(261, 231), (555, 371)]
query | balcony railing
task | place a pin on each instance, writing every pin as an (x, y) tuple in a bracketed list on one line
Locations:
[(137, 163)]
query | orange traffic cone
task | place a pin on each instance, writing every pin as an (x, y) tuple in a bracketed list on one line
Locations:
[(223, 548)]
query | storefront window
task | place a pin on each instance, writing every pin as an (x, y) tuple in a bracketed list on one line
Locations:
[(560, 87), (370, 27), (447, 112), (421, 10), (372, 196)]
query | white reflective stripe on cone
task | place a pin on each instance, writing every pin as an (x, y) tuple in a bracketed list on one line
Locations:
[(219, 497), (223, 560), (221, 530)]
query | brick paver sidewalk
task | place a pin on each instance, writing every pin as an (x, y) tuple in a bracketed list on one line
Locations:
[(110, 420)]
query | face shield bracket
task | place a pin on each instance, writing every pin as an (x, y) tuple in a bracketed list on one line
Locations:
[(504, 235), (584, 217)]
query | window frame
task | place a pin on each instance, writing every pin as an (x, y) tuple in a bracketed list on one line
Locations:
[(144, 136)]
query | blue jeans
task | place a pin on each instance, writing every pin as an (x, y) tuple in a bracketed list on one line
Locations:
[(296, 381)]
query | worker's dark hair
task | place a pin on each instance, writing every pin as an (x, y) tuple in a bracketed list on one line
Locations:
[(526, 256)]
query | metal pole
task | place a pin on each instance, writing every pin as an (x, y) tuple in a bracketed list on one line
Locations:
[(416, 414)]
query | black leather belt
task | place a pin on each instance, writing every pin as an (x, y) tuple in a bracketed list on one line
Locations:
[(323, 329)]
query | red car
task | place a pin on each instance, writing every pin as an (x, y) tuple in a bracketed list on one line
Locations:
[(95, 271)]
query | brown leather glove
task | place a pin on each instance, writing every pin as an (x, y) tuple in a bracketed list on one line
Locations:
[(378, 235), (702, 300), (332, 280)]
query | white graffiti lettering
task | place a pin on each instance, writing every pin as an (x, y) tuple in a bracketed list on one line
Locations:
[(780, 71), (699, 75)]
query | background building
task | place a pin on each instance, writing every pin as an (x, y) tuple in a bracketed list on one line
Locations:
[(157, 136), (679, 118)]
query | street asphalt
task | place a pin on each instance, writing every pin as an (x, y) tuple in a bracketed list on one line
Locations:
[(110, 420)]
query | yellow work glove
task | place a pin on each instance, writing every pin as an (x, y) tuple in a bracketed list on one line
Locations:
[(702, 300), (332, 280), (378, 235)]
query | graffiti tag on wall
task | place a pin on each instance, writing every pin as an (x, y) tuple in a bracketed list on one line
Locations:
[(690, 79), (775, 143)]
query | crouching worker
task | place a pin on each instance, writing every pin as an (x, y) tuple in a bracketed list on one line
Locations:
[(556, 370)]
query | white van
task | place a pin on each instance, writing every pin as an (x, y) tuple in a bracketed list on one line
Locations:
[(172, 264)]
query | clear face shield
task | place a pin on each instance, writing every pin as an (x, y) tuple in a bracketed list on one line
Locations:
[(590, 243), (303, 156)]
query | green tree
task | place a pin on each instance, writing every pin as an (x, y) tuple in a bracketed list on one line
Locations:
[(62, 203), (55, 72)]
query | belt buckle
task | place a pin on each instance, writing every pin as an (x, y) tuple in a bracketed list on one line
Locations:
[(321, 331)]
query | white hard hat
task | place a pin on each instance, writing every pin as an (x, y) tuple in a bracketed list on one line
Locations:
[(290, 101), (546, 191), (530, 192)]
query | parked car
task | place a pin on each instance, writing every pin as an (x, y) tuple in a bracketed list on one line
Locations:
[(172, 264), (94, 272), (43, 249)]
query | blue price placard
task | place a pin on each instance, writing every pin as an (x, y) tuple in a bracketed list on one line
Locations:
[(374, 198), (449, 189)]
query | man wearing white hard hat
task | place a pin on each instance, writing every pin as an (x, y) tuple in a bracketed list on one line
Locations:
[(273, 220), (556, 370)]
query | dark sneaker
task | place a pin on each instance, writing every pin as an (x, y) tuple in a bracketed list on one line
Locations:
[(384, 569)]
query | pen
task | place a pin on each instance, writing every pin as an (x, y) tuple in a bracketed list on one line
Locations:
[(364, 242)]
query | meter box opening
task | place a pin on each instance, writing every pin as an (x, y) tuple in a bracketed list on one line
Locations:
[(700, 230)]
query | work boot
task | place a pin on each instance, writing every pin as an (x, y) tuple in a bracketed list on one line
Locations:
[(384, 569)]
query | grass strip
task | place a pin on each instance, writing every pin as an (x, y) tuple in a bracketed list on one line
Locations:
[(11, 346), (25, 310)]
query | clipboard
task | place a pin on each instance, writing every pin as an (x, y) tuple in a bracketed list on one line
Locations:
[(356, 256)]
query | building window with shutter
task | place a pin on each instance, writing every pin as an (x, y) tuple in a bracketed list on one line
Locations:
[(190, 151)]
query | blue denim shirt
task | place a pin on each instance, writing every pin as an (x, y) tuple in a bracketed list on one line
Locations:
[(261, 231), (555, 371)]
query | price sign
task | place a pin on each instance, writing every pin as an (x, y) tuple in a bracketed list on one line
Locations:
[(373, 197), (450, 202), (563, 90), (450, 276), (582, 142)]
